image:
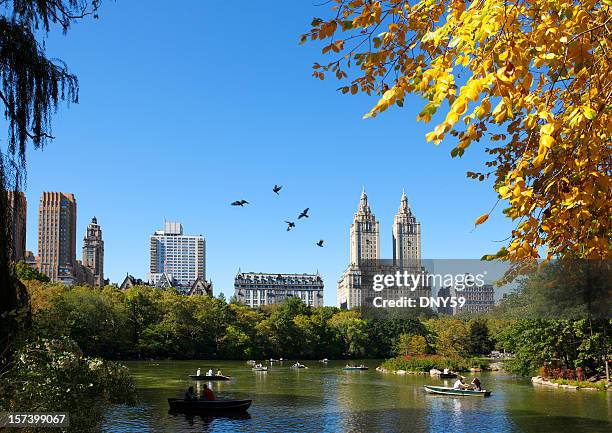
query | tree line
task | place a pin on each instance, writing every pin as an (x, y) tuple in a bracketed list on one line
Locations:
[(144, 322)]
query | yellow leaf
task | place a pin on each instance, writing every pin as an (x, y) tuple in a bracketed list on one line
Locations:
[(547, 141), (589, 113), (431, 136), (547, 129)]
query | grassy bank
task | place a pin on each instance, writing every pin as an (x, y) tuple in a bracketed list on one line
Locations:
[(424, 363), (601, 385)]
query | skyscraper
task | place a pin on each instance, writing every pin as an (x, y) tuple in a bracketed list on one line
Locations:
[(19, 207), (57, 216), (353, 289), (364, 252), (365, 234), (406, 238), (93, 251), (177, 257)]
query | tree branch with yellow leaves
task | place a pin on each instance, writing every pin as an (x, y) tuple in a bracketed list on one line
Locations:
[(533, 76)]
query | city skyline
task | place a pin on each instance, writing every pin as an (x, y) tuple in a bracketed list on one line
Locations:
[(233, 136), (296, 267)]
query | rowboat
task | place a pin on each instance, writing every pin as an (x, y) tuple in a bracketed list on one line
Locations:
[(224, 405), (205, 377), (457, 392), (447, 375), (298, 365), (259, 368), (356, 367)]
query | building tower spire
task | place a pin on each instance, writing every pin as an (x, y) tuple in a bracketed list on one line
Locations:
[(404, 209), (364, 234), (406, 237)]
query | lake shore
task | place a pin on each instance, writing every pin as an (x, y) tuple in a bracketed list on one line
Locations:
[(539, 380)]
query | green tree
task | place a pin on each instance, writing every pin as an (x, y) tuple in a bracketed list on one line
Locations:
[(408, 344), (25, 272), (566, 343), (479, 340), (450, 336), (352, 332)]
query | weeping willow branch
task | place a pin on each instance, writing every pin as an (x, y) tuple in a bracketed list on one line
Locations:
[(31, 87)]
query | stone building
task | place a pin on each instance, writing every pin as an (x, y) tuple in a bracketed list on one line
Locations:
[(478, 298), (201, 287), (129, 281), (257, 289), (93, 252), (354, 288)]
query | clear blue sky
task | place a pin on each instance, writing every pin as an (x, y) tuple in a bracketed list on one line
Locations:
[(184, 110)]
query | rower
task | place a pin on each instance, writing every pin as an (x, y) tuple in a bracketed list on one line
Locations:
[(208, 394), (210, 372), (190, 394), (198, 372), (476, 386), (459, 383)]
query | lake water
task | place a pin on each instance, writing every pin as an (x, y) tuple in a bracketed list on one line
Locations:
[(324, 398)]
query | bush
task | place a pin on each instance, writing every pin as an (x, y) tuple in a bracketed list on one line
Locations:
[(424, 363), (54, 376)]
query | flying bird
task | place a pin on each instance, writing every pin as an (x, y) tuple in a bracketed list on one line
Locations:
[(277, 188), (320, 243), (290, 225), (304, 214), (239, 203)]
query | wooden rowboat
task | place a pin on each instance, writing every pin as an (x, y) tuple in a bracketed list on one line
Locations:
[(357, 367), (448, 375), (223, 405), (204, 377), (456, 392)]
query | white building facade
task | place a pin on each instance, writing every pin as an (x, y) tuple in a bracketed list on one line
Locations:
[(257, 289), (177, 256)]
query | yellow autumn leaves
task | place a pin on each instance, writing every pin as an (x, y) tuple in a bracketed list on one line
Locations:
[(528, 80)]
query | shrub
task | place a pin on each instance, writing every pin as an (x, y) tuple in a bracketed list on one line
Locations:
[(424, 363), (54, 376)]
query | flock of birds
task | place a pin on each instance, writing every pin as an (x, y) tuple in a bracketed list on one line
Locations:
[(290, 224)]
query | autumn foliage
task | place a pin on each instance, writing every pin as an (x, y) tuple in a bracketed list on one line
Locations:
[(530, 80)]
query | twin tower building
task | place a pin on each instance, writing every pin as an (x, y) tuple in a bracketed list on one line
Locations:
[(354, 287)]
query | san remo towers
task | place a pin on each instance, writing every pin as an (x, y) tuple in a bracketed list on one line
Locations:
[(354, 287)]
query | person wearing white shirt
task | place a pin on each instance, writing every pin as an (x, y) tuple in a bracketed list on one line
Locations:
[(459, 383)]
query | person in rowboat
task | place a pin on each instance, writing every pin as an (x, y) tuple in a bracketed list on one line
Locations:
[(210, 372), (208, 394), (219, 373), (459, 384), (476, 384), (198, 372), (190, 395)]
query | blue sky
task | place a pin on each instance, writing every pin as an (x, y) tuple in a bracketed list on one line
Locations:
[(184, 110)]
